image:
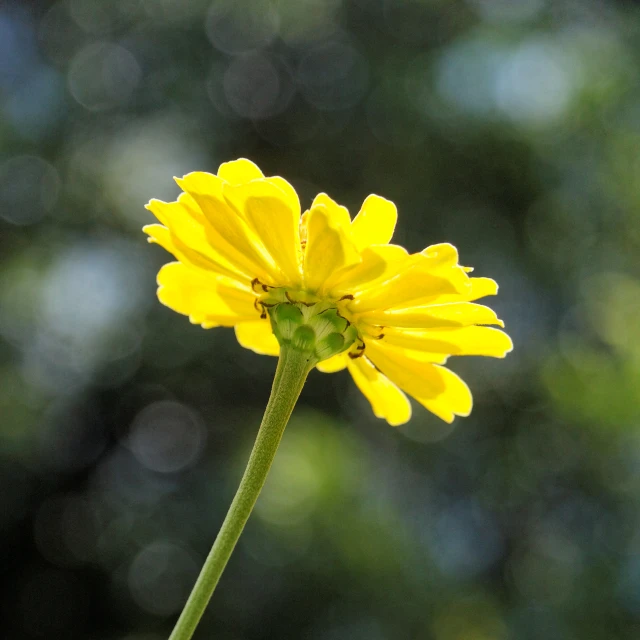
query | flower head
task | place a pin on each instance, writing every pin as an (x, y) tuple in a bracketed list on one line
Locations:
[(325, 283)]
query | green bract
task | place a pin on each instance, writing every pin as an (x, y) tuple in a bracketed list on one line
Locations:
[(313, 328)]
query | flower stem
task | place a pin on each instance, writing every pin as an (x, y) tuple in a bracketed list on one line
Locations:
[(291, 373)]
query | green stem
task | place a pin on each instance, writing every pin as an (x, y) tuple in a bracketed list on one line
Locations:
[(292, 371)]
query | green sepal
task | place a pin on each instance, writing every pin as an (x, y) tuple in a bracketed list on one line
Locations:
[(315, 329)]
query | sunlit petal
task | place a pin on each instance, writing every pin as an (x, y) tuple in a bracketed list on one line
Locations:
[(477, 288), (328, 248), (227, 232), (204, 298), (274, 216), (375, 222), (387, 401), (189, 237), (337, 215), (379, 263), (239, 171), (456, 314), (258, 337), (333, 364), (465, 341), (438, 389), (424, 274)]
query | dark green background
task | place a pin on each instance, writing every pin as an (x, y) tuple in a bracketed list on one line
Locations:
[(510, 128)]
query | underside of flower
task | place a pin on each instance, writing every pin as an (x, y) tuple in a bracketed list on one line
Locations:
[(306, 322), (326, 284), (316, 329)]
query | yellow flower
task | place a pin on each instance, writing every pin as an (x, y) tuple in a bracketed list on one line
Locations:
[(243, 249)]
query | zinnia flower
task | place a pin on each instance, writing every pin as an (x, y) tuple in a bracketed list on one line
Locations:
[(248, 259)]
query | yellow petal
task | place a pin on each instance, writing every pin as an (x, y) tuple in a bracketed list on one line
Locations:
[(203, 297), (338, 215), (375, 222), (290, 192), (441, 255), (201, 182), (387, 401), (456, 314), (258, 337), (456, 401), (478, 288), (420, 355), (159, 234), (239, 171), (189, 238), (328, 248), (226, 231), (163, 236), (274, 216), (424, 274), (465, 341), (379, 263), (180, 218), (333, 364), (481, 287), (191, 206), (427, 356), (437, 388)]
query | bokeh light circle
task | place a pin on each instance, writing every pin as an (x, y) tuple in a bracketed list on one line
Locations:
[(29, 189), (257, 86), (166, 437), (333, 76), (103, 75), (233, 29)]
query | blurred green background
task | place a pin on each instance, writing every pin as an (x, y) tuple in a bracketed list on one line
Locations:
[(510, 128)]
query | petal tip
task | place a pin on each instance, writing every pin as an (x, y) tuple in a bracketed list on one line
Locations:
[(375, 196), (464, 414), (399, 423), (153, 203), (181, 182), (510, 349)]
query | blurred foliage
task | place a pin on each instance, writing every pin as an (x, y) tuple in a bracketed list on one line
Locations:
[(508, 127)]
